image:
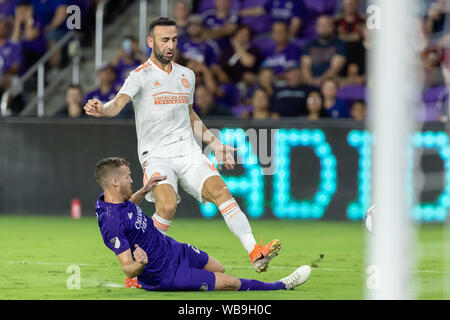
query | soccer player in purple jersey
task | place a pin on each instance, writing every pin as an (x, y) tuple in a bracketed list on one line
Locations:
[(159, 262)]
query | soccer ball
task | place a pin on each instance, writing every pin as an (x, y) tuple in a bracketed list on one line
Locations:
[(368, 220)]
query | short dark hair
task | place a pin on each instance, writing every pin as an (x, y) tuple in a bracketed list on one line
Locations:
[(105, 166), (161, 21)]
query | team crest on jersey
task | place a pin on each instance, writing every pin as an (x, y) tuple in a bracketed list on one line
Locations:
[(185, 83), (115, 242)]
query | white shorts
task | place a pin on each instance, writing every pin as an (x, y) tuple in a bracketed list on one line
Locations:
[(191, 171)]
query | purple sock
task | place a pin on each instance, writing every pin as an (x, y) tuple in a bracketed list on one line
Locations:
[(253, 285)]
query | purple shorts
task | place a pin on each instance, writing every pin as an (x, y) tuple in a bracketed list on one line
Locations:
[(189, 275)]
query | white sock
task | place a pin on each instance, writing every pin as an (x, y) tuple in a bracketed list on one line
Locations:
[(237, 222), (161, 224)]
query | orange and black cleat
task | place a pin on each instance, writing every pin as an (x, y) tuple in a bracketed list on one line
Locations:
[(261, 255), (130, 283)]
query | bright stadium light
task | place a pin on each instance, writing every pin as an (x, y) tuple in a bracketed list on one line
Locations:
[(393, 105)]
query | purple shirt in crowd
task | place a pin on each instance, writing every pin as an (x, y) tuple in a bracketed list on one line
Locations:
[(44, 10), (314, 9), (123, 225), (198, 51), (38, 44), (10, 54), (285, 10), (260, 24), (97, 94), (338, 110), (211, 21), (123, 69), (277, 60), (7, 7)]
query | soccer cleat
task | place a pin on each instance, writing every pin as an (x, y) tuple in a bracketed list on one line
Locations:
[(129, 283), (296, 278), (261, 255)]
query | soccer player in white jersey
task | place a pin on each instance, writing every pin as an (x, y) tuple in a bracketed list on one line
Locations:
[(162, 93)]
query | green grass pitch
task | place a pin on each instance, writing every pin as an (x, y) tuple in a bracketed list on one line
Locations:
[(36, 252)]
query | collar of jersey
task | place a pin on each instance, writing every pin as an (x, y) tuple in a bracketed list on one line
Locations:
[(102, 201), (168, 73)]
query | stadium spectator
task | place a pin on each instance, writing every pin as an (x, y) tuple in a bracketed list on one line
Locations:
[(260, 103), (206, 104), (316, 9), (74, 103), (350, 25), (282, 50), (265, 80), (10, 51), (221, 23), (52, 15), (203, 75), (180, 13), (359, 110), (314, 104), (128, 58), (193, 46), (227, 94), (324, 56), (290, 100), (291, 12), (30, 33), (10, 66), (107, 89), (431, 61), (241, 60), (334, 107)]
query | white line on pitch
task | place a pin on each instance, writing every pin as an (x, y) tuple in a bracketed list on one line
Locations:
[(226, 267)]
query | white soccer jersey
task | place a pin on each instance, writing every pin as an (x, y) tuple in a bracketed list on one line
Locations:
[(161, 102)]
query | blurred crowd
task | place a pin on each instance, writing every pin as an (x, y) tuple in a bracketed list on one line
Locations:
[(258, 59), (29, 28)]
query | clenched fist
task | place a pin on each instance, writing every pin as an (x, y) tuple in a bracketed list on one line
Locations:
[(140, 255), (94, 108)]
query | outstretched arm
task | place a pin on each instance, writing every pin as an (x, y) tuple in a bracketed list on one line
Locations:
[(97, 109), (139, 195), (223, 153)]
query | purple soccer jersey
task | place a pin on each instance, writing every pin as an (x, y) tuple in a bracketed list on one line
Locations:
[(171, 265)]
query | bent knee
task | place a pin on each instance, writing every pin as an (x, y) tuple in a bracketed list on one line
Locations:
[(167, 209)]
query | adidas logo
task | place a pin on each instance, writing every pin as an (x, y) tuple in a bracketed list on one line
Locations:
[(157, 84)]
